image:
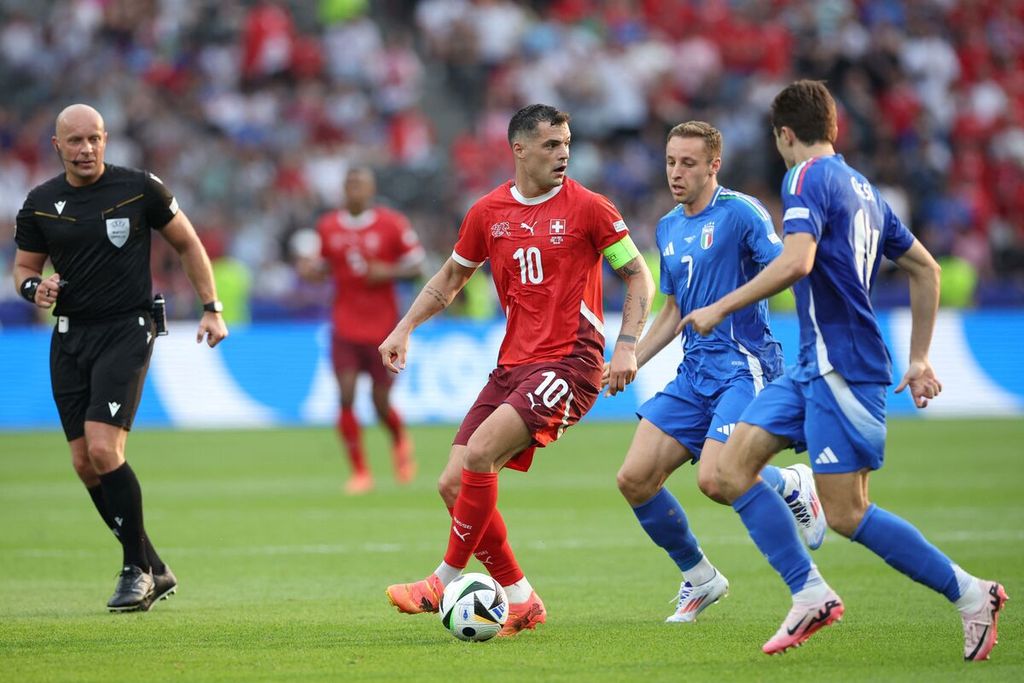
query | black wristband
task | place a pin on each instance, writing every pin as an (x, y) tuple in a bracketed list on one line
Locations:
[(28, 288)]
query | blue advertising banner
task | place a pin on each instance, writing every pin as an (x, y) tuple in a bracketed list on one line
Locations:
[(275, 375)]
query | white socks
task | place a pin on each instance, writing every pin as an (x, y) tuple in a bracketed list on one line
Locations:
[(519, 591), (447, 573), (971, 598), (702, 572), (814, 590)]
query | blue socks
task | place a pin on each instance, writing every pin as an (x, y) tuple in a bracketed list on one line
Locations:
[(774, 531), (663, 519), (773, 477), (904, 549)]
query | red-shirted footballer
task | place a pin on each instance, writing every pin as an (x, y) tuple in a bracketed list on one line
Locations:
[(545, 237), (365, 248)]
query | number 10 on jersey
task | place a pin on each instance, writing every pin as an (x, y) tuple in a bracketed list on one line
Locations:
[(531, 270)]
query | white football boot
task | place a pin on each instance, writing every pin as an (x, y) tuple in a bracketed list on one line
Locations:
[(692, 600), (801, 496)]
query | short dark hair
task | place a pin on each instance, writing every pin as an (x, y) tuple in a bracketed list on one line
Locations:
[(806, 107), (526, 119), (711, 136)]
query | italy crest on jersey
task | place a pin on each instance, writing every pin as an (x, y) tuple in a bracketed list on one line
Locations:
[(707, 235)]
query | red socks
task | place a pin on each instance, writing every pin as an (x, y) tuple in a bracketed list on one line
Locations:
[(351, 435), (393, 421), (495, 554), (474, 509)]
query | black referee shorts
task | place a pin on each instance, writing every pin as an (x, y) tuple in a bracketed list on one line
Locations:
[(97, 370)]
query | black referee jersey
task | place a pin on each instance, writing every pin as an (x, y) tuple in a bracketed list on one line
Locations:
[(98, 238)]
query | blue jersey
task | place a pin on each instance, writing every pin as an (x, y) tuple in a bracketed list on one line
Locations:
[(854, 228), (703, 258)]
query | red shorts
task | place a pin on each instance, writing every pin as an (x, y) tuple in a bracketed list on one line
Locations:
[(361, 357), (550, 396)]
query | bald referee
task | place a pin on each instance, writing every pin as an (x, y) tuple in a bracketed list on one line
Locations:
[(94, 223)]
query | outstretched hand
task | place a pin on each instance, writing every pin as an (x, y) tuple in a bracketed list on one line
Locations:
[(702, 320), (923, 383)]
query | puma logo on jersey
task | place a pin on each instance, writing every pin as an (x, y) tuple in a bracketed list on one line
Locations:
[(114, 407), (533, 402), (59, 206), (524, 226)]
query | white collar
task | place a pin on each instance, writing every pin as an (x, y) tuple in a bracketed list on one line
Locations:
[(530, 201)]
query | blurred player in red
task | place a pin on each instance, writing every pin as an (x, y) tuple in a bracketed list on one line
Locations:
[(545, 235), (365, 248)]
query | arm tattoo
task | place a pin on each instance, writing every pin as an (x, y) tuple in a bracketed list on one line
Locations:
[(627, 305), (630, 269), (437, 295)]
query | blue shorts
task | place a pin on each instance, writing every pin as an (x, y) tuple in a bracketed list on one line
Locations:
[(691, 416), (840, 425)]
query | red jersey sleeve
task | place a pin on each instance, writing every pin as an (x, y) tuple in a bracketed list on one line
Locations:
[(471, 248), (409, 241), (606, 224)]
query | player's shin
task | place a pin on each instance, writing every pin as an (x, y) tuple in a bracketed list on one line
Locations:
[(904, 549), (495, 554), (474, 508), (773, 530)]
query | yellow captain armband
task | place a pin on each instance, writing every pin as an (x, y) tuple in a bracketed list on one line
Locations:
[(621, 253)]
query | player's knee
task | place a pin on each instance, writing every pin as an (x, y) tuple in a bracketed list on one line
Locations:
[(448, 489), (84, 469), (635, 488), (103, 457), (479, 458), (727, 483), (707, 482)]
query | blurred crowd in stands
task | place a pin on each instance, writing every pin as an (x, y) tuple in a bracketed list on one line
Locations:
[(251, 111)]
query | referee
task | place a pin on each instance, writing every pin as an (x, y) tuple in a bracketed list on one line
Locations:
[(93, 222)]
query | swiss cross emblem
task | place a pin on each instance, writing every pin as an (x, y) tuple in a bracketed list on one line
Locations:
[(557, 226), (707, 235)]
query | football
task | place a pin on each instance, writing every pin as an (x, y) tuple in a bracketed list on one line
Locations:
[(474, 607)]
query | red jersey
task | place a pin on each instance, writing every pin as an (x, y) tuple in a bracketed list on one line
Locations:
[(545, 257), (365, 312)]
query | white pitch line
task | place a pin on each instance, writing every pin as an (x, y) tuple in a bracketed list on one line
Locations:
[(1004, 535)]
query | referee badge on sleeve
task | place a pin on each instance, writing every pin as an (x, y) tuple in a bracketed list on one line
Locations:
[(117, 231)]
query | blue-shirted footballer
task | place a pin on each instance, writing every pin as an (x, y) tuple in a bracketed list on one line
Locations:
[(836, 228), (712, 242)]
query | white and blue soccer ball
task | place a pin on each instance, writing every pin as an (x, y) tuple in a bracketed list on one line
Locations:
[(474, 607)]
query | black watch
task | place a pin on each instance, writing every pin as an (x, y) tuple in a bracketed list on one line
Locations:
[(214, 306)]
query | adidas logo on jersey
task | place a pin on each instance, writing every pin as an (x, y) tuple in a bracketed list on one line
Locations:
[(670, 250), (826, 457), (726, 429)]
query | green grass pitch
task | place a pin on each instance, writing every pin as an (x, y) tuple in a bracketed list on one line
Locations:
[(282, 577)]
